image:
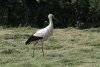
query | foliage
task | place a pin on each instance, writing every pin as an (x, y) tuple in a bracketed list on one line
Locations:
[(34, 13)]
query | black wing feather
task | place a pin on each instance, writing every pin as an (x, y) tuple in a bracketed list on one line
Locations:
[(33, 38)]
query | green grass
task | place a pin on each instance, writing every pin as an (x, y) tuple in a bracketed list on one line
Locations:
[(66, 48)]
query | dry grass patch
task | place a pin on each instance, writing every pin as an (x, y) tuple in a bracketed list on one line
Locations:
[(6, 32)]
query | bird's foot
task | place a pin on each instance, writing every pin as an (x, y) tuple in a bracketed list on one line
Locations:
[(32, 56)]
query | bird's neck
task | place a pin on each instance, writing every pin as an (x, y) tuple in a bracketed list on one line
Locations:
[(50, 22)]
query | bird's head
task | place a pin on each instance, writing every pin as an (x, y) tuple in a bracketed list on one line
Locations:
[(50, 16)]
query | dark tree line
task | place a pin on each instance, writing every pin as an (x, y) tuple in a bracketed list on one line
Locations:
[(76, 13)]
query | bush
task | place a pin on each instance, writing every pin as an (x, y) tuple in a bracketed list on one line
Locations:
[(34, 13)]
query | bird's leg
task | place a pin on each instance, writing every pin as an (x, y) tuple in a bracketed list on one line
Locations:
[(42, 50), (34, 49)]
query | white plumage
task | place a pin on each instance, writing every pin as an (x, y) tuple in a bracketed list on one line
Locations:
[(47, 31), (43, 34)]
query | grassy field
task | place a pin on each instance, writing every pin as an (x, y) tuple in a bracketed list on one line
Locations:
[(66, 48)]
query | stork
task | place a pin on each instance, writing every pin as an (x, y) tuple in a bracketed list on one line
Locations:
[(42, 34)]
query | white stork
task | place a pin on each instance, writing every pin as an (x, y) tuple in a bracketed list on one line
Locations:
[(43, 34)]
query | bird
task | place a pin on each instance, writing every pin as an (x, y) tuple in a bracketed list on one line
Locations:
[(41, 35)]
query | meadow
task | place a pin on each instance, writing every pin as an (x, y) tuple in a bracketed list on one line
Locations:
[(67, 47)]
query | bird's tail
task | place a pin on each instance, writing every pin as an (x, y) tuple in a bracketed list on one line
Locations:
[(27, 42), (32, 38)]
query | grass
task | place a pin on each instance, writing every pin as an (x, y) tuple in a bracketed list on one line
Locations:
[(66, 48)]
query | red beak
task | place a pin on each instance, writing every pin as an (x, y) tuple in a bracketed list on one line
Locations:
[(56, 19)]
